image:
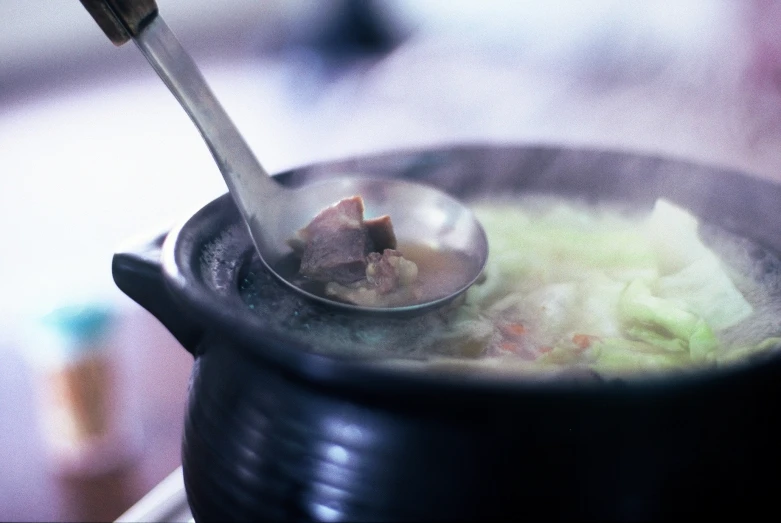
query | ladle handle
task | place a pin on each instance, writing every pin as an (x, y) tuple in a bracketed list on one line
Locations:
[(121, 20), (249, 184)]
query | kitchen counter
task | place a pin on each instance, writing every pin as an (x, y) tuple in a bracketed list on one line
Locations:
[(166, 502)]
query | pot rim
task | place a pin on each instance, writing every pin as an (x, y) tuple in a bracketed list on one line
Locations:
[(391, 376)]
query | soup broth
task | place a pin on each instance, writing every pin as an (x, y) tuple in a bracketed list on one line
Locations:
[(569, 286)]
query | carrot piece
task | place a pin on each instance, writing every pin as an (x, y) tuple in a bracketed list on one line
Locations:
[(513, 329), (583, 341)]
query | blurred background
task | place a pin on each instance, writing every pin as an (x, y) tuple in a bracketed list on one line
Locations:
[(94, 151)]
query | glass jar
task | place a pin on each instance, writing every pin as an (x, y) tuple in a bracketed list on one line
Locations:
[(86, 413)]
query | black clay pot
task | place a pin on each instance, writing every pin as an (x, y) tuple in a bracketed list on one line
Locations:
[(275, 431)]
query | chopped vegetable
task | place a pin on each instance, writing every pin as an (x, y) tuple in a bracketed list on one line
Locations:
[(513, 329), (584, 341), (599, 290), (618, 356)]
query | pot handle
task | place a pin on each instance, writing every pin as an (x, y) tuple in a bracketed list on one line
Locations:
[(138, 272)]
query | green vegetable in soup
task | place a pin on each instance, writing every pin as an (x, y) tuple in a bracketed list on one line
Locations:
[(604, 291), (663, 323), (619, 356)]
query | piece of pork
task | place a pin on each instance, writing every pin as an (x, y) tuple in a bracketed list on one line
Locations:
[(336, 243), (389, 282), (356, 258), (389, 270), (381, 233)]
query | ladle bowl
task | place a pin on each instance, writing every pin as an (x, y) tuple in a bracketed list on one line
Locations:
[(420, 213)]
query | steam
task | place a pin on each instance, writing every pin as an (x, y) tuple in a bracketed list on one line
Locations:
[(673, 78)]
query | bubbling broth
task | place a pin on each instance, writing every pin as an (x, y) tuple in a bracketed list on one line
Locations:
[(568, 286)]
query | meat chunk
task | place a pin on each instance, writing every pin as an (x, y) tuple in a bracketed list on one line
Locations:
[(355, 258), (389, 270), (381, 233), (336, 243), (380, 230), (389, 282)]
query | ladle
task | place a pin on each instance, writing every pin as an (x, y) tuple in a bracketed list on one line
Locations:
[(273, 213)]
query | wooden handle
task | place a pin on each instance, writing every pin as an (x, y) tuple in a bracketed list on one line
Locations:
[(121, 20)]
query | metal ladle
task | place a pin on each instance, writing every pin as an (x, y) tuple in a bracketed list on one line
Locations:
[(272, 212)]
